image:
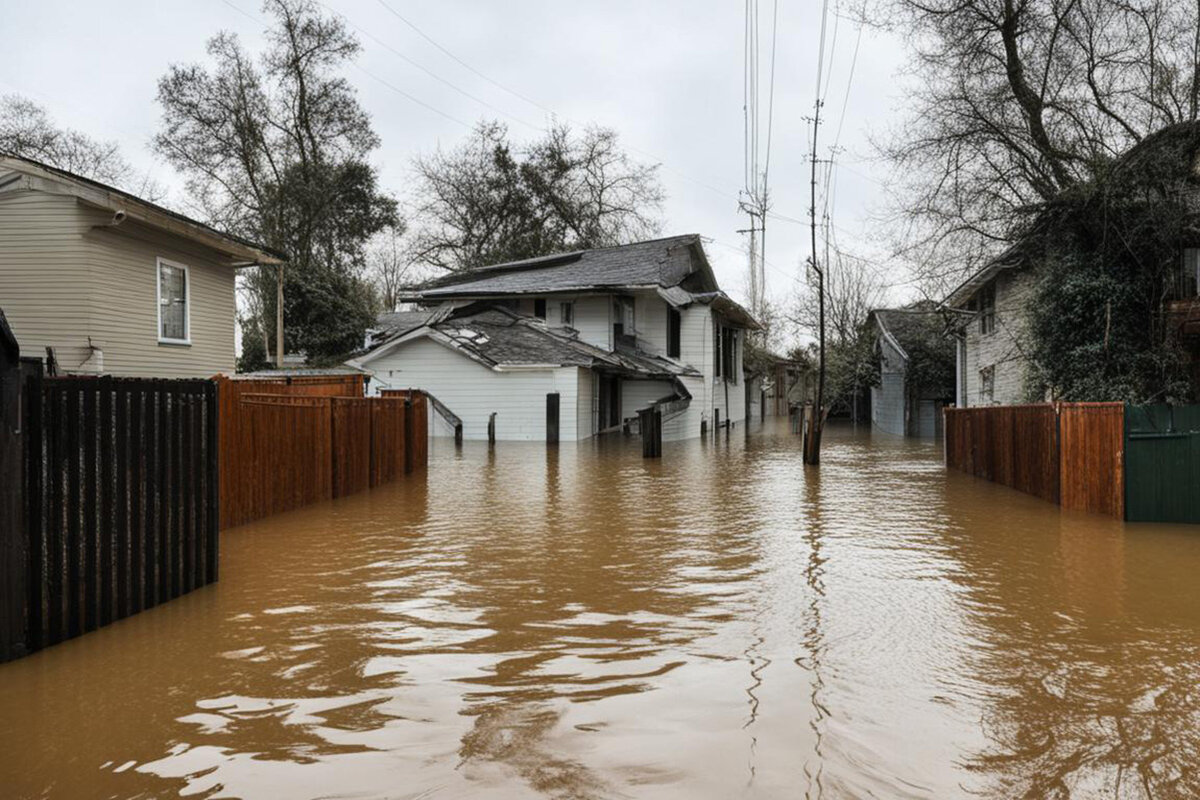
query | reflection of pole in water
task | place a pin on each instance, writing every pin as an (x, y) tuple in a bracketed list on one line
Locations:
[(814, 639)]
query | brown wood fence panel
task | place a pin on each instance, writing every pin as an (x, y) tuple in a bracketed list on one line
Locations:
[(351, 445), (418, 443), (284, 446), (283, 455), (236, 462), (1069, 454), (1035, 437), (389, 417), (121, 498), (1092, 457)]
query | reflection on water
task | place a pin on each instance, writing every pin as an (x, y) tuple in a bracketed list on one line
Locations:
[(578, 622)]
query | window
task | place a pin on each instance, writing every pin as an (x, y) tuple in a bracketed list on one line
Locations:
[(622, 312), (567, 314), (173, 302), (716, 349), (1189, 275), (674, 325), (987, 308), (729, 366), (539, 308), (987, 384)]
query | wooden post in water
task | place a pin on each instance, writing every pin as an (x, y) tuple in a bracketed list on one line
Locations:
[(650, 426), (492, 429), (12, 502), (552, 418)]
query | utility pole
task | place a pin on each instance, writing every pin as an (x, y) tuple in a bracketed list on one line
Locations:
[(812, 444), (279, 320)]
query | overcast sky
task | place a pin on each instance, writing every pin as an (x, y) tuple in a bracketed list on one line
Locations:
[(667, 75)]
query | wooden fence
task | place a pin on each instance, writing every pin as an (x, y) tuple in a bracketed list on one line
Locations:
[(283, 448), (120, 499), (1066, 453)]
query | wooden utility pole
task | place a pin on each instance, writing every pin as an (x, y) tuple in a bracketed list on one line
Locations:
[(279, 320), (812, 441)]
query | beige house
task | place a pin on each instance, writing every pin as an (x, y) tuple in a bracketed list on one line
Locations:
[(112, 283)]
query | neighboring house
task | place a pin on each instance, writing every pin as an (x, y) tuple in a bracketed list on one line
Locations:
[(112, 283), (991, 365), (992, 306), (608, 332), (906, 402)]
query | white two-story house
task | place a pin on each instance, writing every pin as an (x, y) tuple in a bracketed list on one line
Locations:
[(578, 342)]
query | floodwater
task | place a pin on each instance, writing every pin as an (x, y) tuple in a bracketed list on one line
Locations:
[(580, 623)]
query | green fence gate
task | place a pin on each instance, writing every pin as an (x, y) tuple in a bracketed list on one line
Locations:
[(1162, 463)]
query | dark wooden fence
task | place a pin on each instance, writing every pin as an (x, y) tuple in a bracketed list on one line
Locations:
[(1066, 453), (120, 499), (282, 449)]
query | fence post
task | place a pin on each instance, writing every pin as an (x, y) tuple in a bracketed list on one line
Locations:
[(409, 433), (552, 418), (492, 429), (12, 502)]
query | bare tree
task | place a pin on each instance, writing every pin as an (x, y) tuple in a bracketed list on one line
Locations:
[(26, 130), (390, 267), (1013, 101), (277, 149), (485, 201)]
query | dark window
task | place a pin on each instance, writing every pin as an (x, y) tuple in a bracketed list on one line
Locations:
[(622, 316), (987, 308), (567, 313), (674, 323), (729, 354), (539, 308), (1189, 285), (716, 350)]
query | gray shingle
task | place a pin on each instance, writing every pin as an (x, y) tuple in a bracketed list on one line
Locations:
[(659, 262)]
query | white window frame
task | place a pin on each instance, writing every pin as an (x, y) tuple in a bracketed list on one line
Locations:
[(159, 263), (566, 308)]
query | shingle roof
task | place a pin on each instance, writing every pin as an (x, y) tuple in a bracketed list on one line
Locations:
[(911, 324), (659, 262), (395, 323), (497, 337)]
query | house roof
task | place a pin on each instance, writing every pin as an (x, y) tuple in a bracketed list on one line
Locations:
[(904, 327), (30, 174), (655, 263), (676, 267), (394, 323), (501, 339)]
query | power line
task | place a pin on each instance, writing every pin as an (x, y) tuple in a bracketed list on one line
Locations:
[(462, 63)]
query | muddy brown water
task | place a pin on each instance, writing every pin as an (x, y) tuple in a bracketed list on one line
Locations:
[(584, 623)]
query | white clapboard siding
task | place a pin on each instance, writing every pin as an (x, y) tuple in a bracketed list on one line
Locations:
[(585, 405), (63, 280), (592, 320), (473, 391)]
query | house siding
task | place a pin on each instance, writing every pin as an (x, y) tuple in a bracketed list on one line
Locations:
[(125, 315), (63, 281), (1002, 348), (473, 391), (44, 274)]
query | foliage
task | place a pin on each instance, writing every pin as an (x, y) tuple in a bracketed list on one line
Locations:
[(486, 202), (1110, 260), (276, 151), (1013, 101), (254, 351), (26, 130)]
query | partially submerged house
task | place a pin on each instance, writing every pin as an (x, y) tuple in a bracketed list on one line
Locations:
[(113, 283), (915, 370), (596, 335), (993, 308)]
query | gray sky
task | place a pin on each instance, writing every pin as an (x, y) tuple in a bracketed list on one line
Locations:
[(666, 75)]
